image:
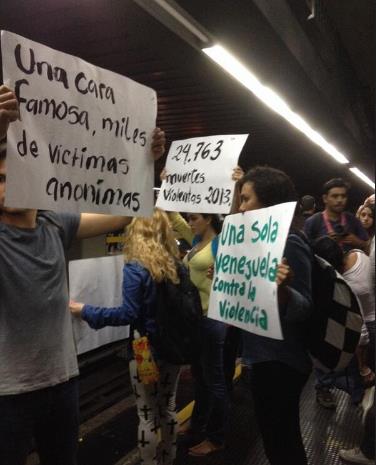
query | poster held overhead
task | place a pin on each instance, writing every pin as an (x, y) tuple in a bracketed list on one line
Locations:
[(84, 139), (199, 174), (244, 291)]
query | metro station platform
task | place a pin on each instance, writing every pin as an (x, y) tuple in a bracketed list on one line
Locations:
[(113, 442)]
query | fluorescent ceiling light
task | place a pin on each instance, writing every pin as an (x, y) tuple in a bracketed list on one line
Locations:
[(234, 67), (363, 177)]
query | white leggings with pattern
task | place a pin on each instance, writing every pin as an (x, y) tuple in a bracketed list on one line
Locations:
[(156, 409)]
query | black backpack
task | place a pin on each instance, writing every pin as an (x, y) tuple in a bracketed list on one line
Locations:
[(178, 320)]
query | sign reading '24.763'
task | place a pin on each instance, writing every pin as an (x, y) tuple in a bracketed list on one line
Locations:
[(198, 174)]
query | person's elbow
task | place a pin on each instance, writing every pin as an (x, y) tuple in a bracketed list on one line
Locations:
[(299, 308)]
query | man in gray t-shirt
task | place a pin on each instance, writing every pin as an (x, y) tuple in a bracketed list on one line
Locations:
[(33, 290), (38, 364)]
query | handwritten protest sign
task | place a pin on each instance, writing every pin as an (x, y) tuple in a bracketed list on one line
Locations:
[(96, 281), (199, 174), (83, 143), (244, 292)]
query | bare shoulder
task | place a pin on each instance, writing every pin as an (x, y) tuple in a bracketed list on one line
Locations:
[(350, 259)]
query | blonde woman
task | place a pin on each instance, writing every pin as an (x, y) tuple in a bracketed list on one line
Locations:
[(150, 257)]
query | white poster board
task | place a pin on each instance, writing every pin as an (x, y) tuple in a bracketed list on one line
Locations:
[(199, 174), (83, 142), (244, 292), (97, 281)]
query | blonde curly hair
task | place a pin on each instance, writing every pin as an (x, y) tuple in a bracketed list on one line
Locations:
[(150, 242)]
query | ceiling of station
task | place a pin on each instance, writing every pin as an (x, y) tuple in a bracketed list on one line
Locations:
[(195, 98), (355, 23)]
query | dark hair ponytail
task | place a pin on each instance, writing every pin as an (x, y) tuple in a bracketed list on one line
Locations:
[(215, 222)]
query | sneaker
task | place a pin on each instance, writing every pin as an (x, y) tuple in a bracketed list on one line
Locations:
[(355, 456), (325, 398), (367, 402)]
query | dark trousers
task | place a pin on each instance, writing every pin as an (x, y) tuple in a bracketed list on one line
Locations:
[(371, 346), (231, 352), (276, 390), (49, 416), (211, 404)]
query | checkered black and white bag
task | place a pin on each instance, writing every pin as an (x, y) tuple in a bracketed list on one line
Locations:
[(335, 327)]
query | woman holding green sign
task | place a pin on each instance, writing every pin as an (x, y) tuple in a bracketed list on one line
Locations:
[(280, 368)]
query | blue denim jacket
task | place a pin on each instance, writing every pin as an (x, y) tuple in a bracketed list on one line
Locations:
[(137, 308)]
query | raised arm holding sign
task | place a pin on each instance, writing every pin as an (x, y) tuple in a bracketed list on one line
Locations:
[(8, 110)]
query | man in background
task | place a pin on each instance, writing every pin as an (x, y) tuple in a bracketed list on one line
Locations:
[(308, 206), (349, 233), (334, 221)]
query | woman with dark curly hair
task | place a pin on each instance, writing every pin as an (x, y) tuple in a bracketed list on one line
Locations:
[(281, 368)]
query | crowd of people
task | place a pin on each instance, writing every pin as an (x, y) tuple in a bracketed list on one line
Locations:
[(39, 371)]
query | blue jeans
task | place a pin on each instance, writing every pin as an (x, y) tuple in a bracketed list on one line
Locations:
[(324, 380), (49, 416), (348, 380), (209, 414)]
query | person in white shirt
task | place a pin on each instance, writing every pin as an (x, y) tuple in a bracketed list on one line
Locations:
[(358, 270)]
